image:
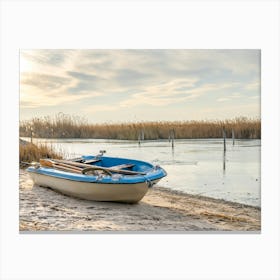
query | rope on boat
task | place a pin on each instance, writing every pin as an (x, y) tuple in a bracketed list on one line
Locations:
[(149, 183)]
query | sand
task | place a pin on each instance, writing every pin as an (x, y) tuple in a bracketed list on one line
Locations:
[(161, 210)]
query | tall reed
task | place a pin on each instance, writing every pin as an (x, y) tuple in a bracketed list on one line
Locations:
[(66, 126), (29, 152)]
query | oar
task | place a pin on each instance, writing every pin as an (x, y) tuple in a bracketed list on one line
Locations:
[(84, 165), (33, 163), (61, 166), (76, 164), (68, 167)]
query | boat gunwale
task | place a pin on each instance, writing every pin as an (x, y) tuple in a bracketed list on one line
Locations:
[(100, 182)]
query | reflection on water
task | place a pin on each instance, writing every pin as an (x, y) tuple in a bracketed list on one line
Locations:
[(194, 166), (224, 162)]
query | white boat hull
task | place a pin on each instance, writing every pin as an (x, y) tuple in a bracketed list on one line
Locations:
[(130, 193)]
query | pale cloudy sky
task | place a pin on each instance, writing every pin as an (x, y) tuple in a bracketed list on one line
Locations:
[(140, 85)]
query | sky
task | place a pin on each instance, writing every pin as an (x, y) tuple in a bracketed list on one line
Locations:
[(140, 85)]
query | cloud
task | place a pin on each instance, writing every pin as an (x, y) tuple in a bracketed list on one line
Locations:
[(161, 94), (176, 91), (254, 97), (230, 97), (43, 81), (86, 83), (47, 57), (232, 111), (111, 80), (128, 77), (222, 99), (100, 108), (35, 99), (82, 76), (253, 86)]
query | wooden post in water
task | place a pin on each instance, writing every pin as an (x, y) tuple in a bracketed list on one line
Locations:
[(139, 139), (233, 137), (224, 136), (224, 162), (31, 135), (172, 138)]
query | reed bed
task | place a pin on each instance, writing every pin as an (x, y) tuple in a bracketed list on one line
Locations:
[(29, 152), (66, 126)]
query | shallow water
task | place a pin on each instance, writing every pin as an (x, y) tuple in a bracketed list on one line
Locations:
[(196, 166)]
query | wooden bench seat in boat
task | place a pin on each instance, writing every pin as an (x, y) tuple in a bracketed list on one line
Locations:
[(81, 160), (91, 161), (121, 166)]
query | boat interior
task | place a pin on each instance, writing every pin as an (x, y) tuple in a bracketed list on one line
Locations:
[(115, 163)]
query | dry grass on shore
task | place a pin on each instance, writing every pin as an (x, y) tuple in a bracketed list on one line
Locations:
[(29, 152), (66, 126)]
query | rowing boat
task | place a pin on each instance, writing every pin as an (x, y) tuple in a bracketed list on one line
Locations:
[(98, 178)]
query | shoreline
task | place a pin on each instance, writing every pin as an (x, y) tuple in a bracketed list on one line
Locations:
[(161, 210), (209, 198)]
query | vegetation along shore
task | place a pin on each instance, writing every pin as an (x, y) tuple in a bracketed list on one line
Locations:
[(29, 152), (66, 126)]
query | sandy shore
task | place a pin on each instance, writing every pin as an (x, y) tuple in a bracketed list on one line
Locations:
[(161, 210)]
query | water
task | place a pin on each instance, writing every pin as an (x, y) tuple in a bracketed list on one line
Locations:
[(197, 166)]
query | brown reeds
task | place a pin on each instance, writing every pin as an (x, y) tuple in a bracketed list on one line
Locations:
[(65, 126), (29, 152)]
